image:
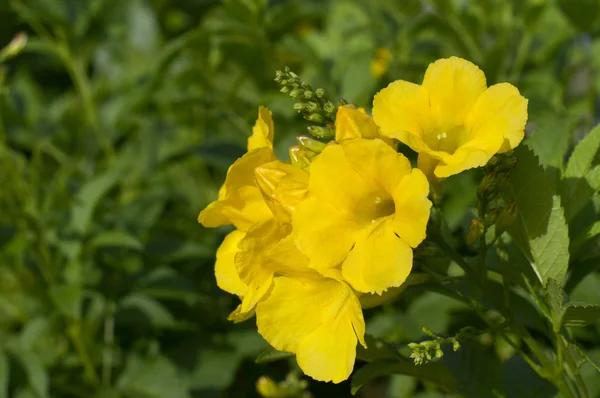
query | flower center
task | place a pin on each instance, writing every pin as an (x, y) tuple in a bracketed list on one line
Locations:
[(446, 139), (374, 207)]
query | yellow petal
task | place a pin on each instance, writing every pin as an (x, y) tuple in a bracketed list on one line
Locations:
[(240, 202), (401, 110), (333, 179), (500, 110), (263, 130), (351, 123), (377, 161), (412, 208), (322, 233), (283, 186), (238, 316), (496, 123), (320, 320), (379, 260), (253, 249), (225, 270), (286, 259), (454, 84)]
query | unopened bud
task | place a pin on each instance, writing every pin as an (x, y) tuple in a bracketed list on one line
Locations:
[(312, 106), (502, 181), (267, 388), (507, 217), (343, 102), (308, 94), (320, 93), (486, 184), (315, 118), (284, 89), (491, 218), (16, 45), (296, 93), (456, 345), (475, 231), (439, 353), (299, 106), (329, 107), (310, 143)]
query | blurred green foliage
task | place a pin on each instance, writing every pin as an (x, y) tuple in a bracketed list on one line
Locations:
[(118, 122)]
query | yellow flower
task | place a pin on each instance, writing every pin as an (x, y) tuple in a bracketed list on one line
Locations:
[(351, 123), (365, 211), (317, 318), (453, 120), (240, 201), (380, 64), (258, 196)]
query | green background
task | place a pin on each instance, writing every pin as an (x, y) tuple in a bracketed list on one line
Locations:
[(118, 122)]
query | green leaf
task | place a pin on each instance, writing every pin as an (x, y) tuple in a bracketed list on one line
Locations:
[(117, 238), (581, 13), (580, 314), (579, 182), (33, 367), (554, 296), (152, 378), (433, 372), (376, 350), (271, 354), (520, 381), (550, 139), (88, 198), (157, 314), (540, 230), (4, 374), (67, 299), (591, 232)]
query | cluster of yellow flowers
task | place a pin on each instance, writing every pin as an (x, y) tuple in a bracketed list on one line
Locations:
[(315, 234)]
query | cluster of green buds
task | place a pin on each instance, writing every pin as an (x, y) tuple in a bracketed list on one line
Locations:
[(429, 350), (494, 207), (312, 104), (291, 387)]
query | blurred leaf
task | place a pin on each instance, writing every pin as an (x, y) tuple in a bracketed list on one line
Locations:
[(520, 381), (581, 13), (157, 314), (433, 372), (477, 370), (88, 198), (271, 354), (540, 230), (376, 350), (580, 314), (67, 299), (151, 378), (4, 374), (34, 370), (117, 238), (6, 234), (576, 190)]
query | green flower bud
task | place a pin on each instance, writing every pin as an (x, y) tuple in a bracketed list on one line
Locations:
[(491, 218), (329, 107), (296, 93), (486, 185), (284, 89), (507, 217), (320, 93), (455, 345), (16, 45), (439, 353), (308, 94), (476, 229), (299, 106), (310, 143), (312, 106)]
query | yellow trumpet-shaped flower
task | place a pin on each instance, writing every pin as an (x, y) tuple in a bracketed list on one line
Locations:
[(453, 120), (365, 211), (240, 201), (317, 318), (352, 123)]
